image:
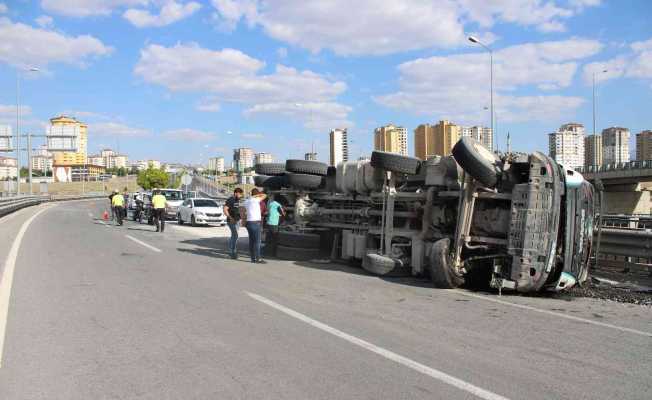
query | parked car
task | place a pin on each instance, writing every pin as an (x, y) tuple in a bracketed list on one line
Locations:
[(201, 211)]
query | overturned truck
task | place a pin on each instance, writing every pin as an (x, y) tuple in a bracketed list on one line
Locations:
[(516, 221)]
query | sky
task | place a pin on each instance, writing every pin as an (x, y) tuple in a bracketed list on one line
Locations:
[(181, 80)]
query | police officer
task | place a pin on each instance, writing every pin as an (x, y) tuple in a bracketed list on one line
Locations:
[(118, 203), (159, 203)]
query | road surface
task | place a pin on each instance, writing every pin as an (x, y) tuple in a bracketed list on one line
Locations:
[(103, 312)]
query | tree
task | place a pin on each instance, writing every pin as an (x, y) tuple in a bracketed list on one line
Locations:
[(153, 178), (122, 171)]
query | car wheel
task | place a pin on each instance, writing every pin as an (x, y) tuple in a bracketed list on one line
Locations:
[(440, 269), (192, 221), (179, 220), (476, 160)]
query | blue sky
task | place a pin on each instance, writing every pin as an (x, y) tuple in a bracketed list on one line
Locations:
[(180, 80)]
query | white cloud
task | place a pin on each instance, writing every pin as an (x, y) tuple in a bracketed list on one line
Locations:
[(188, 134), (115, 129), (282, 52), (457, 86), (170, 12), (386, 26), (44, 21), (208, 105), (232, 76), (637, 63), (85, 8), (3, 8), (24, 45)]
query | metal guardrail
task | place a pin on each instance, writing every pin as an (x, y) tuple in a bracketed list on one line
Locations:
[(638, 164), (9, 205), (640, 221)]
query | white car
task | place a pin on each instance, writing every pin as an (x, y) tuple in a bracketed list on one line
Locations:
[(201, 211)]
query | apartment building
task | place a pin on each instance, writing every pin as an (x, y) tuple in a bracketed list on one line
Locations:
[(243, 158), (391, 138), (615, 145), (263, 158), (593, 150), (339, 146), (644, 145), (566, 146)]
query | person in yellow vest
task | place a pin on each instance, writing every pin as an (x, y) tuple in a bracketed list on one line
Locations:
[(118, 203), (159, 202)]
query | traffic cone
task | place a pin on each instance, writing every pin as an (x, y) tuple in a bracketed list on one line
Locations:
[(105, 215)]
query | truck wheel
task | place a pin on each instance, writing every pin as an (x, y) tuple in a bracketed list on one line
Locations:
[(439, 267), (299, 240), (304, 181), (384, 266), (296, 254), (395, 162), (275, 182), (306, 167), (476, 160), (270, 169), (259, 180)]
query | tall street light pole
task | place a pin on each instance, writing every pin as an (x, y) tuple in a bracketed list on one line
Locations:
[(603, 71), (475, 40), (18, 74)]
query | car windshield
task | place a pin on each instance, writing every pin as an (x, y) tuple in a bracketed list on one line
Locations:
[(205, 203), (172, 195)]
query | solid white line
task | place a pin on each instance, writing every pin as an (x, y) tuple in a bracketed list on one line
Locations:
[(556, 314), (8, 279), (149, 246), (424, 369)]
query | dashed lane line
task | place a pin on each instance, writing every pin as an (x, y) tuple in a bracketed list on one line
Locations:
[(8, 278), (140, 242), (424, 369), (553, 313)]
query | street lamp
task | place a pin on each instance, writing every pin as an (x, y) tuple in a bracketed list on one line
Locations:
[(18, 71), (602, 72), (475, 40)]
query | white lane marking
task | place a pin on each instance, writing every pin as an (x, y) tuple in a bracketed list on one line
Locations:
[(8, 278), (140, 242), (556, 314), (424, 369)]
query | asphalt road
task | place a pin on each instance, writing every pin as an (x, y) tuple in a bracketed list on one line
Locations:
[(104, 312)]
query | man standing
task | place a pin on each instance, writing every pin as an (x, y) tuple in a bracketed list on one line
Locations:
[(158, 207), (274, 212), (232, 212), (254, 224), (118, 203)]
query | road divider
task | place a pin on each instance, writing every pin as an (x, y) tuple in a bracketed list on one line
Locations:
[(424, 369), (140, 242)]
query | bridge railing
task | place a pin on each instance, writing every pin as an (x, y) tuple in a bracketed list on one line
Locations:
[(638, 164)]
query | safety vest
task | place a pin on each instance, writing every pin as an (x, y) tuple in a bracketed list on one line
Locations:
[(158, 201), (118, 201)]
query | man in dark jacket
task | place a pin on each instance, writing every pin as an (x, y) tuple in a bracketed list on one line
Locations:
[(232, 212)]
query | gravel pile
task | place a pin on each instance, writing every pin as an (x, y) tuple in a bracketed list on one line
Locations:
[(624, 293)]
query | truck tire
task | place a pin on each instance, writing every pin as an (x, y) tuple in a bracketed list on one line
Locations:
[(476, 160), (351, 176), (304, 181), (276, 182), (270, 169), (306, 167), (439, 267), (259, 180), (378, 264), (299, 240), (296, 254), (395, 162)]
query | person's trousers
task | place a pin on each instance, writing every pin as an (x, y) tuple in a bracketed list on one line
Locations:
[(254, 231), (271, 238), (159, 216), (233, 241)]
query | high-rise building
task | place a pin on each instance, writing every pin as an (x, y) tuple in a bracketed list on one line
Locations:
[(216, 164), (566, 146), (482, 134), (615, 145), (339, 144), (68, 124), (263, 158), (644, 145), (391, 138), (446, 135), (243, 158), (592, 150), (310, 156), (424, 141)]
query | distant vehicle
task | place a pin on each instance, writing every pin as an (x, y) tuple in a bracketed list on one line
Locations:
[(201, 211), (174, 199)]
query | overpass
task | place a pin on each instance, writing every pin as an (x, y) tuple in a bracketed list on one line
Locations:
[(627, 185)]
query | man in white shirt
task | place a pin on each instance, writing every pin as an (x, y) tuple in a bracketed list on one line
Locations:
[(254, 224)]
